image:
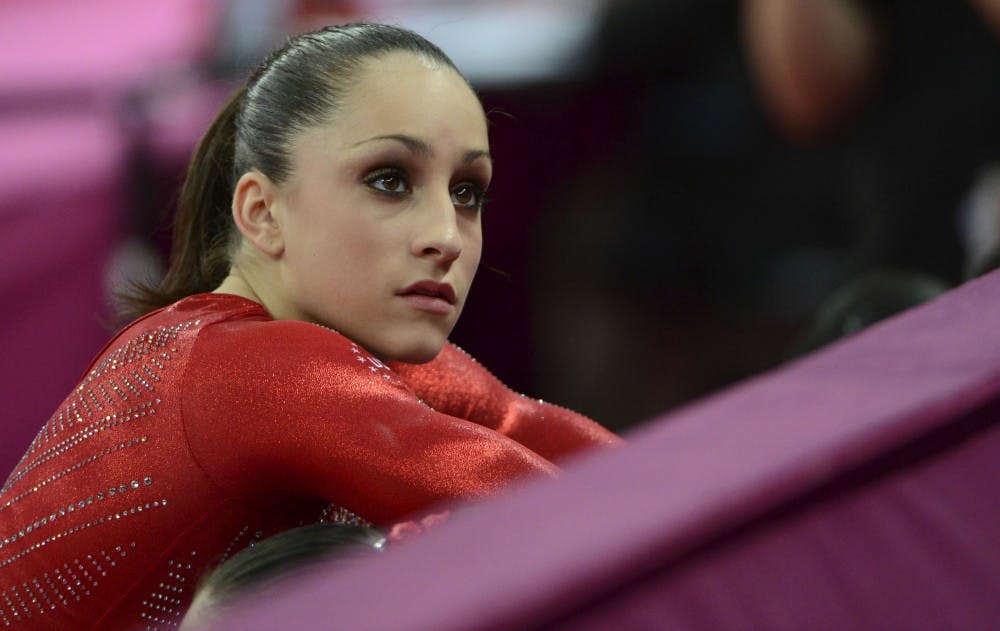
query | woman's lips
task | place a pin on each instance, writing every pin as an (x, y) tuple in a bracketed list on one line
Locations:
[(429, 296)]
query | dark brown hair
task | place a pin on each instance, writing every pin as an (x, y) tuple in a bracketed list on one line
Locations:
[(297, 87), (280, 557), (286, 551)]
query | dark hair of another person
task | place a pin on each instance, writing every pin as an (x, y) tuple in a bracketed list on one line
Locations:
[(984, 266), (281, 554), (297, 87), (863, 302)]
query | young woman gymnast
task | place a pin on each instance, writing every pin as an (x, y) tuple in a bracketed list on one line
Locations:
[(293, 366)]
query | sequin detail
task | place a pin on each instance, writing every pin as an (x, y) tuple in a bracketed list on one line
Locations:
[(88, 460), (340, 515), (81, 437), (61, 586), (122, 372), (231, 547), (118, 392), (69, 415), (374, 364), (132, 511), (166, 604), (67, 510)]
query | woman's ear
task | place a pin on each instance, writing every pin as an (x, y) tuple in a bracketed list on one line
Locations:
[(254, 212)]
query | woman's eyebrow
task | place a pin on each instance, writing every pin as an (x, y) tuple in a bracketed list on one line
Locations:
[(420, 147), (475, 154)]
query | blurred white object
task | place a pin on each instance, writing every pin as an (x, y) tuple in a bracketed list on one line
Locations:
[(979, 219), (249, 29), (500, 42)]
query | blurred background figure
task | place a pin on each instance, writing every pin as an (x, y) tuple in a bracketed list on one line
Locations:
[(909, 86), (773, 151), (679, 184)]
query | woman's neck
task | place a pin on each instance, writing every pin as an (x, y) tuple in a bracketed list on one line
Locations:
[(237, 285)]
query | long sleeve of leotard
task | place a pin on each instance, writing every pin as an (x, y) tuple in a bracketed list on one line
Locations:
[(293, 407), (456, 384)]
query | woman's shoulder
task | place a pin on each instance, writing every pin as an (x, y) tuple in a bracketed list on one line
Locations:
[(225, 339), (225, 332), (236, 319), (240, 334), (276, 338), (212, 307), (194, 312), (243, 369)]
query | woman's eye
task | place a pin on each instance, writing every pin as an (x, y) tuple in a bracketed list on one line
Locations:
[(467, 195), (391, 183)]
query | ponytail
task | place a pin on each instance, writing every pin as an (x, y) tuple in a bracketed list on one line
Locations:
[(202, 225)]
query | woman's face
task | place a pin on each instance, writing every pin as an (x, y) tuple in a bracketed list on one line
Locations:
[(381, 214)]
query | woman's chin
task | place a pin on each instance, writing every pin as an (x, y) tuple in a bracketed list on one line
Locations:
[(410, 352), (417, 356)]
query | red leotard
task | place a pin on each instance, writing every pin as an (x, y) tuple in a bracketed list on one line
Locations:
[(207, 425)]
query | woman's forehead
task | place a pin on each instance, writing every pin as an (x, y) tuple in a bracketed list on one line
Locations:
[(404, 87), (405, 96)]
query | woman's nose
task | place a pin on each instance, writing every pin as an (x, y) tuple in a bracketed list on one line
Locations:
[(438, 234)]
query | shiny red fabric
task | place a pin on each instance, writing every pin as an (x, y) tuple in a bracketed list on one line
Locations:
[(456, 384), (207, 425)]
